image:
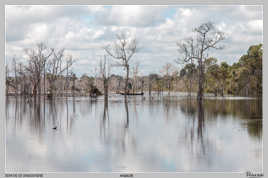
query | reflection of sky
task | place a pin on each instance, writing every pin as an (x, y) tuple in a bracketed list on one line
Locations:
[(158, 139)]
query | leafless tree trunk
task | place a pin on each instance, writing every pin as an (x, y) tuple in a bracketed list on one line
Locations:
[(7, 80), (150, 88), (122, 50), (105, 75), (66, 85), (56, 66), (24, 85), (135, 76), (37, 59), (95, 76), (15, 75), (73, 87), (167, 71), (191, 80), (196, 49), (142, 85)]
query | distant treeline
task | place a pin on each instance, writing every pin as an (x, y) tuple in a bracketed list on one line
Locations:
[(48, 72), (243, 78)]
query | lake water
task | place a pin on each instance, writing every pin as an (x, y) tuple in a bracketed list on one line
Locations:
[(164, 134)]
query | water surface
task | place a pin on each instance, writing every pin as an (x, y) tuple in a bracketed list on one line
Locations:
[(164, 134)]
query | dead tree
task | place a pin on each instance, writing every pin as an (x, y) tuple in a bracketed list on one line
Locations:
[(57, 64), (187, 74), (8, 81), (196, 49), (15, 75), (150, 88), (105, 76), (73, 78), (167, 74), (135, 77), (24, 81), (36, 63), (122, 50)]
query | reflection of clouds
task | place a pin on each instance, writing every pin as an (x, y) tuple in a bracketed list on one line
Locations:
[(150, 143)]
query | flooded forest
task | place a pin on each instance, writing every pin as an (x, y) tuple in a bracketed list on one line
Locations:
[(196, 114)]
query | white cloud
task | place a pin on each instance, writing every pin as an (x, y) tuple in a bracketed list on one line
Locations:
[(38, 33), (256, 25), (131, 15), (84, 30), (186, 12)]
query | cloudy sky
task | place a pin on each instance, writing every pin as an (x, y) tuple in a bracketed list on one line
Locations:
[(84, 30)]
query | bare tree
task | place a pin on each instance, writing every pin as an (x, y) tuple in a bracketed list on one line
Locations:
[(8, 80), (122, 50), (36, 63), (57, 64), (188, 75), (168, 72), (150, 87), (24, 81), (73, 78), (14, 63), (105, 75), (135, 76), (195, 49), (95, 74)]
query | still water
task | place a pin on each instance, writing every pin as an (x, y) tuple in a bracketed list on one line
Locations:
[(164, 134)]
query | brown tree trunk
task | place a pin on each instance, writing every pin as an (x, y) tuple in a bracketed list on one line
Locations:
[(127, 78), (201, 80), (169, 86), (105, 84), (34, 90), (142, 84), (150, 88)]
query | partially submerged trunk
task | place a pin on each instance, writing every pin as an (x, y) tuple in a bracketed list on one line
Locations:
[(150, 88), (201, 80), (127, 79), (106, 90), (35, 90)]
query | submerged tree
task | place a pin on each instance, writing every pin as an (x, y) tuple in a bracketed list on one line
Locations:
[(213, 78), (8, 79), (105, 76), (197, 48), (135, 77), (123, 50), (168, 72), (188, 75), (56, 66), (37, 58)]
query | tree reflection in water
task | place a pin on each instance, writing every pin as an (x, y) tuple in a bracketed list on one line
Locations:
[(126, 126), (211, 111), (127, 113), (195, 126), (53, 114), (151, 143), (104, 123), (201, 124)]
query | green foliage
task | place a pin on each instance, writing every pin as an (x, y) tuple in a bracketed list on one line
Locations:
[(189, 76), (246, 75), (242, 78), (189, 70), (154, 76)]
